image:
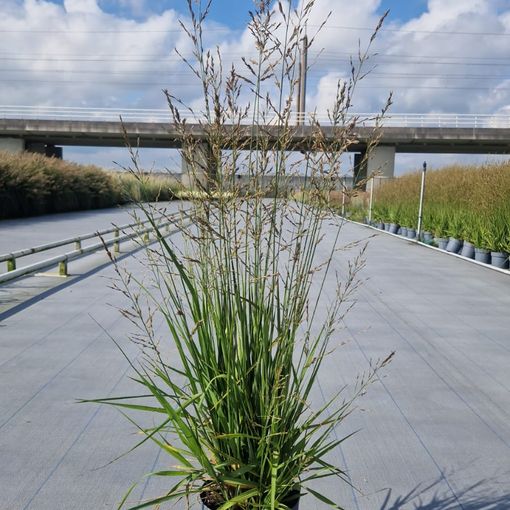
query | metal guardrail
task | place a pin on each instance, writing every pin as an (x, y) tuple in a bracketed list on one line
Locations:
[(147, 115), (62, 260)]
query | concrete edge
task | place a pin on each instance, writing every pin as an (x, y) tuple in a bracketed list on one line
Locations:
[(465, 259)]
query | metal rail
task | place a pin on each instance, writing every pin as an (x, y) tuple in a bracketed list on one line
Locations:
[(63, 259), (147, 115), (10, 258)]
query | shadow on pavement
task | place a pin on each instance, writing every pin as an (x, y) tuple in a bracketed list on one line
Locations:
[(471, 498)]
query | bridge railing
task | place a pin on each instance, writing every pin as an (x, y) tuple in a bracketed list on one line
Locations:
[(62, 260), (147, 115)]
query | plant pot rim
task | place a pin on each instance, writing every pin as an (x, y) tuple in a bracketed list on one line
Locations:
[(293, 497)]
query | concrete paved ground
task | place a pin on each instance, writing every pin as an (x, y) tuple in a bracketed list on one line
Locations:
[(434, 430)]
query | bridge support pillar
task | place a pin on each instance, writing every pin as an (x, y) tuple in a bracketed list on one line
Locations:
[(54, 152), (12, 144), (360, 170), (36, 148), (380, 164), (199, 167), (50, 151)]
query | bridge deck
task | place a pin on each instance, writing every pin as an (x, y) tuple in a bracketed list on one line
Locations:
[(412, 139), (435, 429)]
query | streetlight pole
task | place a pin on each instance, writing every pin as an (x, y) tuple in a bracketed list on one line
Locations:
[(422, 196), (371, 200), (303, 65)]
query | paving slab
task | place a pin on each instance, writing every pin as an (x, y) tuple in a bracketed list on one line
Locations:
[(433, 430)]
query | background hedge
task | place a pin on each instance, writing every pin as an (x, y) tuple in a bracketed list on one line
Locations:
[(32, 184)]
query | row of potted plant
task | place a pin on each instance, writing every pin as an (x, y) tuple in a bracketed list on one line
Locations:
[(466, 210), (483, 237)]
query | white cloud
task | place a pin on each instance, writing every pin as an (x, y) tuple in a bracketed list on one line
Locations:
[(81, 6), (80, 55)]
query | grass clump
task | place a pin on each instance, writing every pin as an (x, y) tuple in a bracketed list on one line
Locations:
[(226, 389)]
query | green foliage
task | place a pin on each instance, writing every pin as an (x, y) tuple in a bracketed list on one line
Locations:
[(32, 184), (143, 187), (469, 203)]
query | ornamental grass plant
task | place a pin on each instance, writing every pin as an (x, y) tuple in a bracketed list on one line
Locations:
[(240, 287)]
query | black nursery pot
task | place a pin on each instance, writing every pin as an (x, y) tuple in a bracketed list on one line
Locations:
[(468, 250), (454, 245), (427, 237), (499, 259), (482, 255), (394, 228), (212, 500), (441, 242)]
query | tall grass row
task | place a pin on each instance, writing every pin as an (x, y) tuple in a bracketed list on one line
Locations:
[(32, 184)]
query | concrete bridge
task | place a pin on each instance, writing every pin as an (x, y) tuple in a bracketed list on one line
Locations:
[(47, 129)]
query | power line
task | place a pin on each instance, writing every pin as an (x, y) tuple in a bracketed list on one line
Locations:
[(227, 29), (172, 54), (321, 58), (158, 72), (166, 84), (327, 60), (403, 31), (402, 55), (110, 31)]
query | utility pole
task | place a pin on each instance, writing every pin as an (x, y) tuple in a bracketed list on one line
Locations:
[(303, 65)]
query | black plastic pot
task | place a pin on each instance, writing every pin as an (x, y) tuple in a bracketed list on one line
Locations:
[(427, 237), (411, 233), (212, 503), (394, 228), (380, 225), (482, 255), (499, 259), (454, 245), (441, 242), (387, 226), (403, 231), (468, 250)]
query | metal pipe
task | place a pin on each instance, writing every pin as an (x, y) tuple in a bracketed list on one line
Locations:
[(371, 199), (303, 68), (56, 244), (62, 260), (422, 197)]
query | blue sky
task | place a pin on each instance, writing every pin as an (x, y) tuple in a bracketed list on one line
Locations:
[(234, 13)]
